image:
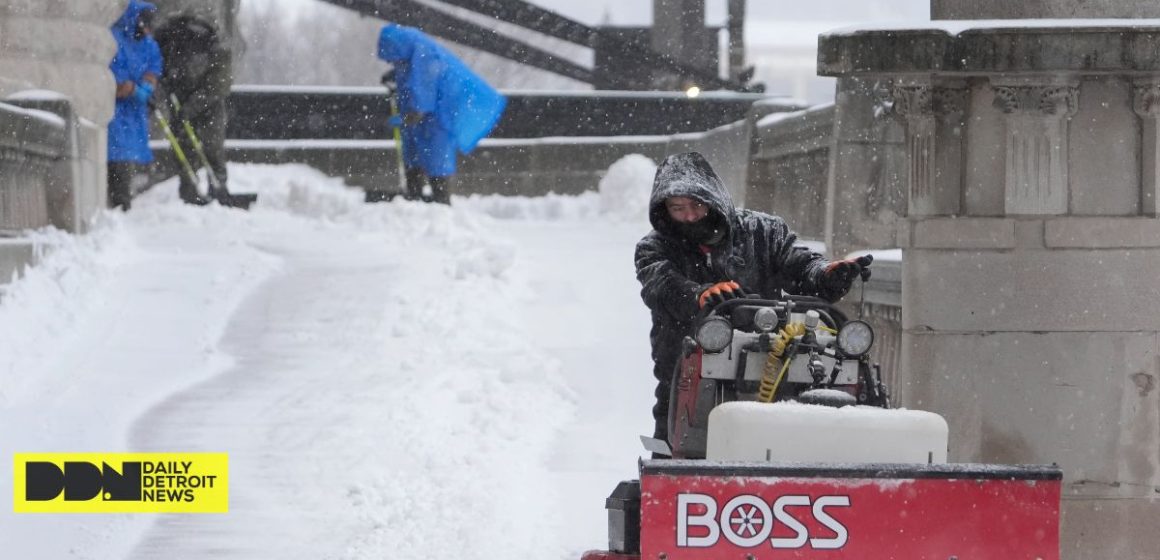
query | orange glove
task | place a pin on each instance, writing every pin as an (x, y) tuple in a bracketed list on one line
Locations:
[(720, 292)]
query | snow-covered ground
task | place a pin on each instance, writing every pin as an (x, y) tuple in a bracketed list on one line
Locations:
[(390, 381)]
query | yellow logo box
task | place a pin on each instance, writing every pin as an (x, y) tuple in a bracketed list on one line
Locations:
[(121, 483)]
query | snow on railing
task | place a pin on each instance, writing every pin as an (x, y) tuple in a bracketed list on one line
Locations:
[(30, 142)]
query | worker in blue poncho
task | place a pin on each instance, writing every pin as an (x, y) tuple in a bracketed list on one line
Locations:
[(444, 108), (136, 68)]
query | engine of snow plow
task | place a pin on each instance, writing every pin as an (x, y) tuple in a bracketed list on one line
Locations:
[(764, 351)]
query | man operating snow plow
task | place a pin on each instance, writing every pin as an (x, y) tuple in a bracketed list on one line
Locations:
[(777, 422), (787, 450)]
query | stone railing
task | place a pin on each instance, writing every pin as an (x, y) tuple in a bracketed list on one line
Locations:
[(75, 185), (512, 165), (31, 142), (790, 168), (835, 172), (503, 166), (547, 143), (50, 162)]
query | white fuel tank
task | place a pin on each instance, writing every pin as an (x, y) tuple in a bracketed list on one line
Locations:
[(791, 431)]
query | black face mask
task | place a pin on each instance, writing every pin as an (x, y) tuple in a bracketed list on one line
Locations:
[(144, 23), (709, 230)]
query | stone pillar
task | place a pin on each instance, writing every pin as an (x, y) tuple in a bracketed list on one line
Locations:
[(867, 169), (1031, 248), (63, 46)]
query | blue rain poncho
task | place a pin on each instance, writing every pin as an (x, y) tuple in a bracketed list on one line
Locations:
[(459, 107), (129, 129)]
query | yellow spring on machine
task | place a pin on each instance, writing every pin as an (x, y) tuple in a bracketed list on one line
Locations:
[(774, 369)]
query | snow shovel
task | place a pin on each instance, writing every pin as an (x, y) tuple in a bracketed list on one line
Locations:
[(375, 195), (217, 190), (179, 153), (393, 100)]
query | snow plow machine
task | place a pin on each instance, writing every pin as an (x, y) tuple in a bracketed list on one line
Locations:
[(783, 445)]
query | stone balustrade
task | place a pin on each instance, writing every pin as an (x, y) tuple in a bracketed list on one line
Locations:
[(30, 143), (1029, 242)]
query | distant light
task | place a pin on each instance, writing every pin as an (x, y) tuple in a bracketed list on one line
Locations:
[(693, 91)]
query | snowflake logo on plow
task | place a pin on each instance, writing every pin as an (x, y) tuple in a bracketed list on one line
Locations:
[(746, 521)]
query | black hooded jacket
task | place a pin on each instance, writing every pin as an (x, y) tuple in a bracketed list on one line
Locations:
[(757, 252), (198, 68)]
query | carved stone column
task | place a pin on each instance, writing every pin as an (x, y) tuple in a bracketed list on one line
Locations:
[(934, 141), (1036, 145), (63, 46), (1146, 104)]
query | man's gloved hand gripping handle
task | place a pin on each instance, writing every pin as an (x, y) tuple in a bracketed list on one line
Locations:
[(720, 292), (840, 275)]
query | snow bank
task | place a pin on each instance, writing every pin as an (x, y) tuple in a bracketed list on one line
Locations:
[(37, 310), (621, 195), (625, 189)]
